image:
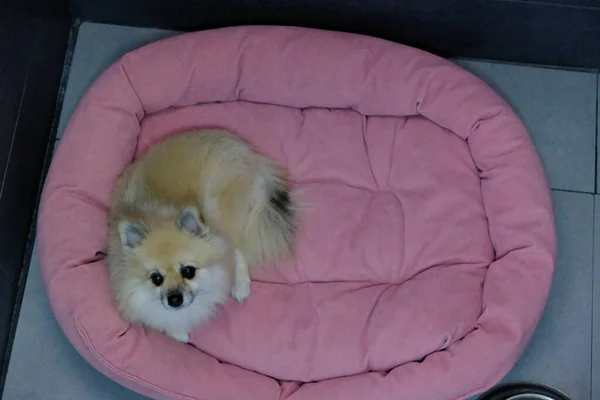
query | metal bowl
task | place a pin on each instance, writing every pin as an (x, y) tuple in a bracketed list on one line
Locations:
[(523, 391)]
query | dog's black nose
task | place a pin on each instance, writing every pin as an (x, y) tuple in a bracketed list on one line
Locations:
[(175, 300)]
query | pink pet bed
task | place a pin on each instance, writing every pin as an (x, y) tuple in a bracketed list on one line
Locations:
[(425, 257)]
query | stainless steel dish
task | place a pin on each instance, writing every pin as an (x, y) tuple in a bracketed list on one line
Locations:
[(523, 391)]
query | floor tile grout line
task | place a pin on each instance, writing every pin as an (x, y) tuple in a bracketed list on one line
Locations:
[(573, 191), (594, 241), (593, 297)]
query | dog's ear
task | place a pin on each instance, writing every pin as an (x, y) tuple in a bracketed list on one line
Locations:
[(188, 221), (131, 233)]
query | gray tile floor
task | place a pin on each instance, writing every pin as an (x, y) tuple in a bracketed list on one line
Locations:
[(560, 110)]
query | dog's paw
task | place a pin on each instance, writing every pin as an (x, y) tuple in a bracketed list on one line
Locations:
[(241, 290), (182, 337)]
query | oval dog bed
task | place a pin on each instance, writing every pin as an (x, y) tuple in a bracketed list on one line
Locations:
[(425, 256)]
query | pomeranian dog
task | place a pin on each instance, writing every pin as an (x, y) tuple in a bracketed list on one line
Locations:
[(186, 222)]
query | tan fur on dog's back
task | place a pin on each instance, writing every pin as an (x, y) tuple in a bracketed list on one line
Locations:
[(241, 194)]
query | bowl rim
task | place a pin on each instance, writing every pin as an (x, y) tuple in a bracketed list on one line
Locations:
[(504, 390)]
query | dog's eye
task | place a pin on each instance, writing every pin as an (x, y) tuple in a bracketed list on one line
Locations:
[(188, 272), (157, 279)]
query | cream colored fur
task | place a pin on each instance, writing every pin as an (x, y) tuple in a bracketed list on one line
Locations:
[(204, 201)]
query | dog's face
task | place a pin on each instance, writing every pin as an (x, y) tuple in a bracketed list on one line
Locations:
[(172, 262)]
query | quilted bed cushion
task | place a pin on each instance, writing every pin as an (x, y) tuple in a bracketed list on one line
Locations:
[(425, 255)]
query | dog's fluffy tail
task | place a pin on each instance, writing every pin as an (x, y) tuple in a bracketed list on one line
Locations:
[(271, 225)]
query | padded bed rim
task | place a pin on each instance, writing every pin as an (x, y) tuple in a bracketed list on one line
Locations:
[(514, 191)]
